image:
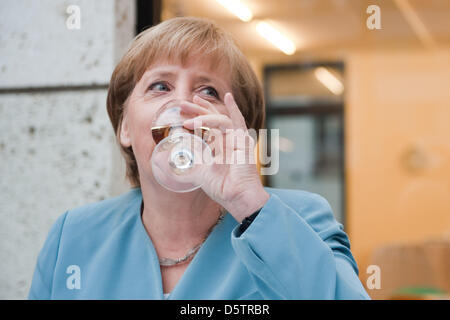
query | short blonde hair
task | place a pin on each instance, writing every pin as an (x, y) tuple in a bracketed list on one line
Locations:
[(180, 38)]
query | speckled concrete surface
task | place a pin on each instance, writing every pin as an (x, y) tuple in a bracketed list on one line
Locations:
[(42, 42), (57, 149)]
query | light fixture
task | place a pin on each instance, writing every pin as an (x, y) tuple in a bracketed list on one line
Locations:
[(329, 80), (275, 37), (237, 8)]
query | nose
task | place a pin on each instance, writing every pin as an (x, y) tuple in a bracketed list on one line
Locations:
[(183, 92)]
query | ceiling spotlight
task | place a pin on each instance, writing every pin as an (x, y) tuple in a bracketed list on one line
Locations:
[(275, 37), (237, 8), (329, 80)]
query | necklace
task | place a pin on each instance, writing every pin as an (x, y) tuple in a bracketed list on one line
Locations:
[(168, 262)]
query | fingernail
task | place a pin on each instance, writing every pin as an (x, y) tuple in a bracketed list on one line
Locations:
[(188, 123)]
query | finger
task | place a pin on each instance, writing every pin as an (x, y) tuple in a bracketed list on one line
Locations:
[(216, 143), (193, 108), (205, 103), (219, 121), (235, 114)]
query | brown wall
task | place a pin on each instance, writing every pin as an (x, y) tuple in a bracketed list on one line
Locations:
[(397, 148)]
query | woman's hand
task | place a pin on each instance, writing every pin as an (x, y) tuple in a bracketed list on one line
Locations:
[(233, 184)]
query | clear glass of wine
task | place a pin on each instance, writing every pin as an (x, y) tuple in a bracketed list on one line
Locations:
[(181, 156)]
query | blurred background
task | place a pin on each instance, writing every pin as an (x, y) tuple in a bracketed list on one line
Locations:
[(360, 95)]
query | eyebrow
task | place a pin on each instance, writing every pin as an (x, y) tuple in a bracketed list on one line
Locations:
[(161, 74), (205, 79), (168, 74), (164, 74)]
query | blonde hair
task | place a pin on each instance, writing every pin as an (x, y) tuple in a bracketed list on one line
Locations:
[(180, 38)]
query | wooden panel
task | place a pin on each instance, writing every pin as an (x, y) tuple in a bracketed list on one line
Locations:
[(398, 148)]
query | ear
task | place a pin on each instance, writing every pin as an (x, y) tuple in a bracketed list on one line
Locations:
[(124, 134)]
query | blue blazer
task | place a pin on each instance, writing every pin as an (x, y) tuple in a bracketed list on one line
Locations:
[(294, 249)]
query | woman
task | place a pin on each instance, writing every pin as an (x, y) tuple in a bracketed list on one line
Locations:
[(231, 239)]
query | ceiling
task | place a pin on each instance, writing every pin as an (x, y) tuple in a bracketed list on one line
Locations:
[(324, 25)]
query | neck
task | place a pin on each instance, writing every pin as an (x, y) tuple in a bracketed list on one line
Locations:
[(176, 222)]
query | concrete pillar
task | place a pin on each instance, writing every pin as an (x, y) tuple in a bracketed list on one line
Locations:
[(57, 146)]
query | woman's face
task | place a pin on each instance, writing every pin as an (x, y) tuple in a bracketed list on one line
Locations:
[(162, 82)]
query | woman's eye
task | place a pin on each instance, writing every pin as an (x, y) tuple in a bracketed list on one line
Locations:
[(159, 86), (210, 91)]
